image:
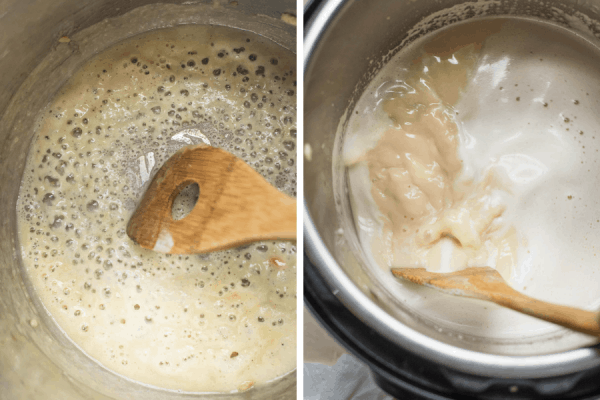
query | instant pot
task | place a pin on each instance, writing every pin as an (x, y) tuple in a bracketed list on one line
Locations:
[(346, 42), (42, 43)]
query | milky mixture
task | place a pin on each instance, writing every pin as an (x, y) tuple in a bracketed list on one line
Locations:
[(476, 146), (216, 322)]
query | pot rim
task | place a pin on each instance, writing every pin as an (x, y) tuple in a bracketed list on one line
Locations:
[(467, 361)]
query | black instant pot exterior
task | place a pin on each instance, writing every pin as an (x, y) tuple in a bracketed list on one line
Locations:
[(406, 376)]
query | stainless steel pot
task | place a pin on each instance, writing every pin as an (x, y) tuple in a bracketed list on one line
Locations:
[(345, 44), (36, 359)]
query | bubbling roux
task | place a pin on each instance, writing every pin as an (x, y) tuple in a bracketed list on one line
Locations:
[(476, 146), (214, 322)]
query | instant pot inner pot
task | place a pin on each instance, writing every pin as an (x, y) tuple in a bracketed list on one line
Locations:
[(36, 359), (347, 43)]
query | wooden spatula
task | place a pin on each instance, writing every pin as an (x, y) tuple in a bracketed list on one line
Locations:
[(486, 283), (236, 205)]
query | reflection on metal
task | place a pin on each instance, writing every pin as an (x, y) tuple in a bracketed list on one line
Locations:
[(190, 136), (145, 168)]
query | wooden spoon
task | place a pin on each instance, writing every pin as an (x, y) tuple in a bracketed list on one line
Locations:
[(236, 205), (486, 283)]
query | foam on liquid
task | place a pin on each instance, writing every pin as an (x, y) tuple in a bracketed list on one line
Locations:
[(528, 142), (215, 322)]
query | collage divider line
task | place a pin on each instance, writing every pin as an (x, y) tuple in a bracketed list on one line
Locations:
[(300, 197)]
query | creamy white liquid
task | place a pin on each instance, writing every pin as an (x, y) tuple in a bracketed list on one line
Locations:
[(529, 111), (215, 322)]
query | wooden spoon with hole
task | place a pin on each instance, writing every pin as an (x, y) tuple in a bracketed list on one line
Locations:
[(236, 206), (486, 283)]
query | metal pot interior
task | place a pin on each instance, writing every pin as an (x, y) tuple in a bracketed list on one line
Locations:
[(35, 356), (346, 44)]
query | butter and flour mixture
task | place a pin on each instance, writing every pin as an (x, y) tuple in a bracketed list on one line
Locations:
[(214, 322), (476, 146)]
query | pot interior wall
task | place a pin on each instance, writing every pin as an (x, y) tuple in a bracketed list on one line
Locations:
[(36, 359), (359, 39)]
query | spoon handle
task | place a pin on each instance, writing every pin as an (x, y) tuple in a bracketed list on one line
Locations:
[(486, 283), (573, 318)]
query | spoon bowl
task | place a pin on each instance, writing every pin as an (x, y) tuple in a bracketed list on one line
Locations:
[(236, 206)]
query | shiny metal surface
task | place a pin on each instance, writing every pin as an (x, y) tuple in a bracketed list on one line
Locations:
[(36, 360), (345, 43)]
